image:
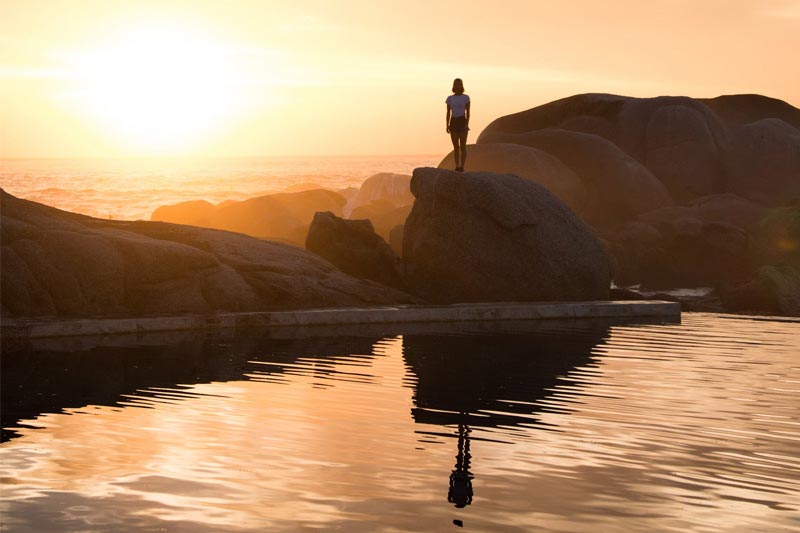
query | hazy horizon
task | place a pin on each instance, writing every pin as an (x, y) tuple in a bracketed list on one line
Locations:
[(272, 79)]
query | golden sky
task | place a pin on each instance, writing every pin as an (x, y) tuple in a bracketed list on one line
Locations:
[(349, 77)]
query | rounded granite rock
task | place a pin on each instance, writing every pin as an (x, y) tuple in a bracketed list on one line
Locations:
[(619, 187), (478, 236), (62, 264), (526, 162)]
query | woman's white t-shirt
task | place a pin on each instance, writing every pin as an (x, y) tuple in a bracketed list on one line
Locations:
[(458, 104)]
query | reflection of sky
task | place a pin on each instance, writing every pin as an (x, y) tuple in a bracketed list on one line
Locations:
[(670, 427)]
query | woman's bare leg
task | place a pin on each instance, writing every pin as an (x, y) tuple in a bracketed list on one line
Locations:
[(462, 139), (455, 137)]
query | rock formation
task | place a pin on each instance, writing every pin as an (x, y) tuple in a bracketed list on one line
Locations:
[(393, 189), (764, 162), (57, 263), (724, 161), (280, 216), (745, 144), (775, 289), (525, 162), (383, 216), (354, 248), (619, 187), (496, 237)]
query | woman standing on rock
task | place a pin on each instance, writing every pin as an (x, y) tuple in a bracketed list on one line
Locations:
[(458, 122)]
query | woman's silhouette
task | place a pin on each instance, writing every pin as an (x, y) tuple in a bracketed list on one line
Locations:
[(458, 122)]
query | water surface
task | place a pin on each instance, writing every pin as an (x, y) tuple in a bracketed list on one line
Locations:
[(552, 427), (132, 188)]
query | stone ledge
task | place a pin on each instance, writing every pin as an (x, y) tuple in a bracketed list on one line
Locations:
[(479, 312)]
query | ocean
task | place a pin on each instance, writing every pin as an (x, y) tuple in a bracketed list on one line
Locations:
[(132, 188)]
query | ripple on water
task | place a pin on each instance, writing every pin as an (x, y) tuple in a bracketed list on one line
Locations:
[(692, 426)]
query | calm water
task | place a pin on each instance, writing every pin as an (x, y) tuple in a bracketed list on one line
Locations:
[(134, 188), (556, 427)]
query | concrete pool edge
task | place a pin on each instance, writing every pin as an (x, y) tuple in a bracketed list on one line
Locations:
[(466, 313)]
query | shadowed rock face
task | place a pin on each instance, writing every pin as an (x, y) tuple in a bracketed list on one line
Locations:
[(280, 216), (746, 144), (353, 247), (739, 109), (775, 289), (383, 217), (723, 160), (703, 243), (62, 264), (765, 161), (526, 162), (497, 237), (619, 187), (588, 113)]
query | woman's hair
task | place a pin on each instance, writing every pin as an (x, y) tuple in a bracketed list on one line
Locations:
[(458, 86)]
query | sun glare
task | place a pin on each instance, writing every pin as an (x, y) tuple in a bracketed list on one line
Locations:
[(160, 88)]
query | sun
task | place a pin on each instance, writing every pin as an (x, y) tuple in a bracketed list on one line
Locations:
[(159, 88)]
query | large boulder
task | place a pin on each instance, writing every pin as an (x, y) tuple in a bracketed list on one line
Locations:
[(385, 186), (478, 236), (526, 162), (383, 215), (703, 243), (739, 109), (354, 247), (776, 237), (57, 263), (725, 208), (697, 254), (619, 187), (631, 249), (745, 144), (588, 113), (281, 216), (679, 139), (764, 162), (193, 212), (775, 289)]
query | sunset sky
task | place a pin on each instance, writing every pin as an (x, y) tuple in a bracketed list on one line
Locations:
[(112, 78)]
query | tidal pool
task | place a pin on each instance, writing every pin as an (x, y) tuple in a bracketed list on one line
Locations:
[(555, 426)]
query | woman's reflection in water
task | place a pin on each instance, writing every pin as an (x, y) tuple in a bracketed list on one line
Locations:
[(460, 492), (484, 381)]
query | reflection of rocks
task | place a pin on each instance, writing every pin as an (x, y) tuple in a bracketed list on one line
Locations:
[(491, 380), (494, 237), (353, 247), (49, 380), (63, 264), (482, 381)]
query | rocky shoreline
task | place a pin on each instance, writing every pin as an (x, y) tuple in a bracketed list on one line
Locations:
[(559, 201)]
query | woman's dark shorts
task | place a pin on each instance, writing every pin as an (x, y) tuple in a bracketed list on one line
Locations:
[(458, 124)]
